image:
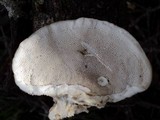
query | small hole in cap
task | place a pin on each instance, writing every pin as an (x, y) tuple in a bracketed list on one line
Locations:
[(103, 81)]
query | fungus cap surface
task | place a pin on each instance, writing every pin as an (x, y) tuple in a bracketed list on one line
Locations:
[(84, 58)]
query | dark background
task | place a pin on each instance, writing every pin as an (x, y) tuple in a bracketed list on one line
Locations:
[(140, 17)]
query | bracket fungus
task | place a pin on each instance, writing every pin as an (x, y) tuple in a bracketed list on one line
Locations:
[(81, 63)]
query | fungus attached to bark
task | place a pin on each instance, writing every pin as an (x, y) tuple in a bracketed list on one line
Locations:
[(81, 63)]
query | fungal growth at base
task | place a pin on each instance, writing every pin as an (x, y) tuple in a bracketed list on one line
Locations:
[(81, 63)]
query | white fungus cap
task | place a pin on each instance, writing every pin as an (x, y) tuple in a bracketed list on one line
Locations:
[(81, 63)]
